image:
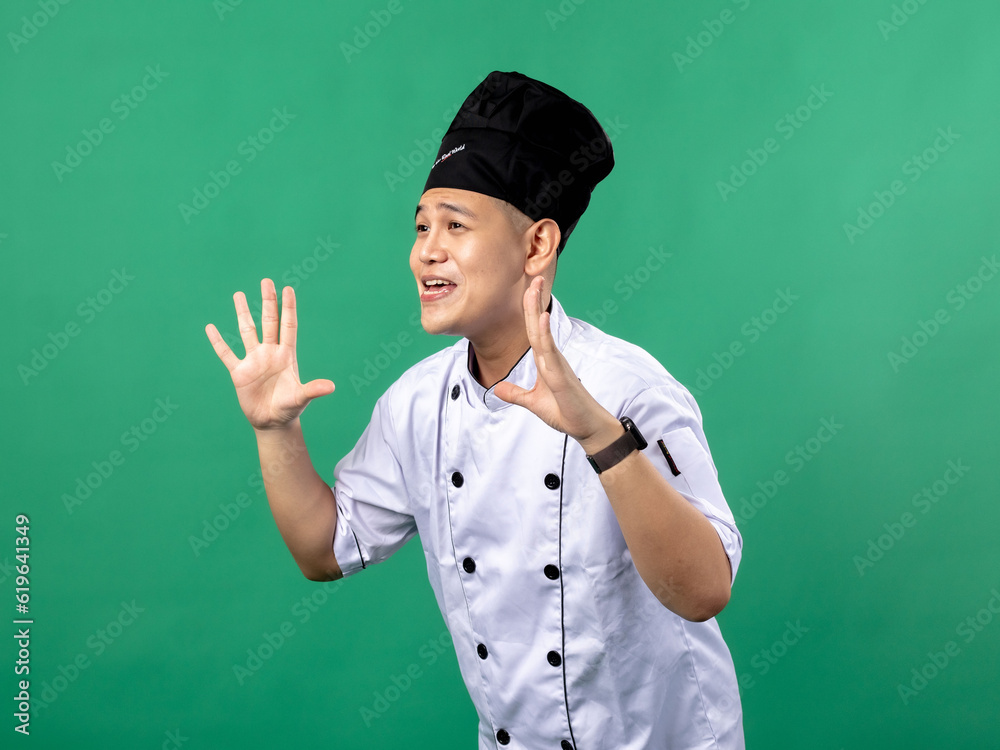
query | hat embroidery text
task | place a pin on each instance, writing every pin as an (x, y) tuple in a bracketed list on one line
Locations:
[(445, 156)]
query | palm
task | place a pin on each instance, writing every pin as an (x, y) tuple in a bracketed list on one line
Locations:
[(267, 384), (267, 378)]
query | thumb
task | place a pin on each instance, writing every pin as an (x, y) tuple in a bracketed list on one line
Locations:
[(512, 394), (316, 388)]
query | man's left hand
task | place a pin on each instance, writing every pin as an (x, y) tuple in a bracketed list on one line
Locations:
[(558, 397)]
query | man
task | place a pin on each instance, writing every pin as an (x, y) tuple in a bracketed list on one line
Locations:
[(576, 537)]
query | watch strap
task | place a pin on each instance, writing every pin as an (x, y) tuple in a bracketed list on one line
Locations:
[(630, 441)]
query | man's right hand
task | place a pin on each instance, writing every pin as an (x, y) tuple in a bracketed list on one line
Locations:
[(267, 378)]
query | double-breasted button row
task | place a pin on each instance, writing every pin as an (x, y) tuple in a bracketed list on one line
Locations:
[(551, 480), (551, 571), (553, 656), (503, 737)]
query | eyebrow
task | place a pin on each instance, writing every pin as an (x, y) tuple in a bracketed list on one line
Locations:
[(448, 207)]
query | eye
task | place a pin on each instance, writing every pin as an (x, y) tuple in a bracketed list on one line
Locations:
[(421, 228), (454, 224)]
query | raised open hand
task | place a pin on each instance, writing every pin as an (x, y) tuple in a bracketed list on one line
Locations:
[(267, 378), (558, 397)]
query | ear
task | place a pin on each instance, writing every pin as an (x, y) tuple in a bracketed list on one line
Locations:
[(543, 238)]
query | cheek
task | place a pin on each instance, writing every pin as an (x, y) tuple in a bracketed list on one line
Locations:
[(492, 280), (493, 268), (503, 262)]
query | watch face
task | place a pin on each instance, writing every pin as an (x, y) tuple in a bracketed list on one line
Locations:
[(630, 427)]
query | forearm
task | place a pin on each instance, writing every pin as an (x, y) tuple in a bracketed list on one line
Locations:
[(302, 503), (676, 550)]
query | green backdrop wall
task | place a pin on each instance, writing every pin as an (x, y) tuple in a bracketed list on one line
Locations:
[(801, 226)]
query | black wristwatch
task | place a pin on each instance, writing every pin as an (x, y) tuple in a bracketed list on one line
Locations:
[(632, 440)]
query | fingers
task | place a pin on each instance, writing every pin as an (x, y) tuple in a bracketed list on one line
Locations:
[(229, 359), (532, 305), (289, 318), (269, 320), (536, 320), (268, 312), (248, 331)]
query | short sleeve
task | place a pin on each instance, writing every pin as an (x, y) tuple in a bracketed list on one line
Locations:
[(373, 517), (669, 419)]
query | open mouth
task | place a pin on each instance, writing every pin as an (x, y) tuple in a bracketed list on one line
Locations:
[(435, 289)]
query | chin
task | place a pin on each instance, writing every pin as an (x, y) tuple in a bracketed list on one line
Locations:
[(435, 326)]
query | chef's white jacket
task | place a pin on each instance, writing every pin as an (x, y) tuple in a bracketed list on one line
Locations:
[(560, 642)]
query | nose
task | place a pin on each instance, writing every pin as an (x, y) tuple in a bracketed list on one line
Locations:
[(431, 248)]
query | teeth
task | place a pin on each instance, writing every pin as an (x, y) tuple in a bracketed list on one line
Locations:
[(436, 282)]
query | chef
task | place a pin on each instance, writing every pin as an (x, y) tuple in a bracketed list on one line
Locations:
[(576, 537)]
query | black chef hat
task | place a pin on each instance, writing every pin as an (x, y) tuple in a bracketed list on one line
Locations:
[(527, 143)]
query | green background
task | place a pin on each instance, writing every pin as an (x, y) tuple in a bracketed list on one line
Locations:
[(683, 110)]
